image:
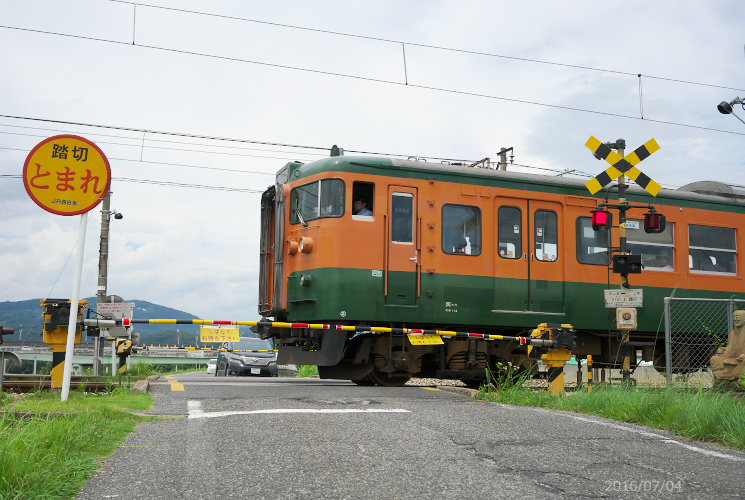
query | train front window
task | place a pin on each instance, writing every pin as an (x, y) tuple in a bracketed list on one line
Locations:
[(713, 250), (510, 233), (657, 249), (461, 230), (592, 246), (546, 236), (320, 199)]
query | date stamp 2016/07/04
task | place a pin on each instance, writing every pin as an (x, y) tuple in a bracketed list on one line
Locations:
[(644, 485)]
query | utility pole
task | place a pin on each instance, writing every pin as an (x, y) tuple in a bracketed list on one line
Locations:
[(502, 165), (103, 271)]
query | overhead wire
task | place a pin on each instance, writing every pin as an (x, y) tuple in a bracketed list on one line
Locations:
[(418, 44), (156, 140), (376, 80), (217, 138), (164, 183)]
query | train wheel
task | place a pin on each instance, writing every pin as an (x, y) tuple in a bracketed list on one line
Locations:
[(365, 381), (387, 379)]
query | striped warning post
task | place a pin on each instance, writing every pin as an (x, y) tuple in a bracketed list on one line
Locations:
[(622, 166), (556, 380)]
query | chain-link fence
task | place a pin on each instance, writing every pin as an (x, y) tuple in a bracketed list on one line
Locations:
[(694, 329)]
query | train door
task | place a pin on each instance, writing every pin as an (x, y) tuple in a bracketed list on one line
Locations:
[(402, 252), (546, 274), (512, 266), (529, 274)]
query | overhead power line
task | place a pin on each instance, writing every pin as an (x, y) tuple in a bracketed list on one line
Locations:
[(217, 138), (367, 79), (150, 139), (423, 45), (163, 183)]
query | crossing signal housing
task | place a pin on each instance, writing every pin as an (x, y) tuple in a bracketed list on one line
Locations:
[(654, 222), (601, 219)]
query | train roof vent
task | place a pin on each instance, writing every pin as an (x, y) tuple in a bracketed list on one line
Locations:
[(715, 188)]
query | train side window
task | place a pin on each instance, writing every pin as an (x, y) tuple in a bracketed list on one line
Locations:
[(461, 230), (657, 249), (324, 198), (510, 221), (546, 236), (363, 199), (402, 219), (592, 246), (713, 250)]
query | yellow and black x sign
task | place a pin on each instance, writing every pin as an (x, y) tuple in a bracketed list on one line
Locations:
[(622, 166)]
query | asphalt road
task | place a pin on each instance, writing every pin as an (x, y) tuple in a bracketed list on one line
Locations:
[(306, 438)]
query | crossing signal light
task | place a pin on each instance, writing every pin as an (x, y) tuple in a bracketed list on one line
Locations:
[(600, 220), (654, 222)]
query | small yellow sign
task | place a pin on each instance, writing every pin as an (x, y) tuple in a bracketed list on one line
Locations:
[(425, 340), (66, 175), (219, 334)]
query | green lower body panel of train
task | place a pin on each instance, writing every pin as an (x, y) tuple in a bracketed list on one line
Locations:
[(363, 295)]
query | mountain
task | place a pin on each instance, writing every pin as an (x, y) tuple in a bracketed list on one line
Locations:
[(25, 316)]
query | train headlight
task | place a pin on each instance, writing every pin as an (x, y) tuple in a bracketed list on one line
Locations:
[(306, 245), (292, 247)]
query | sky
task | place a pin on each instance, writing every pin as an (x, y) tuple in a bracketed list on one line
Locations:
[(221, 76)]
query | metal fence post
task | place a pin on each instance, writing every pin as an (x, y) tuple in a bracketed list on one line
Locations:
[(730, 313), (668, 345)]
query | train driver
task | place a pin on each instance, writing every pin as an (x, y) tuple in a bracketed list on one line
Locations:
[(360, 207)]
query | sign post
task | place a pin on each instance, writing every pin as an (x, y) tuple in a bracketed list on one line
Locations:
[(68, 175)]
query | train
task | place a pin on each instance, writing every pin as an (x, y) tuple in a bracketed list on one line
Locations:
[(373, 241)]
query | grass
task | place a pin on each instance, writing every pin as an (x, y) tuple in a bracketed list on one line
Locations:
[(49, 449), (307, 371), (696, 413)]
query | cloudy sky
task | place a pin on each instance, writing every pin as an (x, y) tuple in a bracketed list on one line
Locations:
[(222, 76)]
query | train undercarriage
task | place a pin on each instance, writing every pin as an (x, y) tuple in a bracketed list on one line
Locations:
[(369, 358)]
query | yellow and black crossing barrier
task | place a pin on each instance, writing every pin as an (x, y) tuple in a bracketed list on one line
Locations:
[(323, 326), (626, 165)]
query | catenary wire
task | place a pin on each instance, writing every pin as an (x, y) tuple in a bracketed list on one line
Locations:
[(145, 146), (158, 140), (164, 183), (423, 45), (379, 80), (216, 138)]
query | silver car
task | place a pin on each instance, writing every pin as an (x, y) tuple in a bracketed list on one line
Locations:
[(250, 356)]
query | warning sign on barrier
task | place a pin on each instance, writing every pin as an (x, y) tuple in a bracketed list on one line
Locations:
[(219, 334)]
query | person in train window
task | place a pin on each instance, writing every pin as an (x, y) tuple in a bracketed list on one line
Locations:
[(662, 261), (360, 207), (459, 245)]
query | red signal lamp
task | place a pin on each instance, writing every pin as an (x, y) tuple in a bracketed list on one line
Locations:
[(600, 220), (654, 222)]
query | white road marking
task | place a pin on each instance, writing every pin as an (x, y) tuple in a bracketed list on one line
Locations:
[(195, 408), (661, 438), (195, 411)]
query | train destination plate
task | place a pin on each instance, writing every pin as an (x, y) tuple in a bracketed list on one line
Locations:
[(425, 340), (624, 298)]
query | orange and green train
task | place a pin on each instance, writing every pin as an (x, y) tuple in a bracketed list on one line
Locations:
[(387, 242)]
